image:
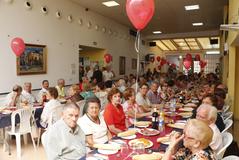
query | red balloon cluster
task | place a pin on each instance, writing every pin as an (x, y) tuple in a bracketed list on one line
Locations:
[(203, 64), (187, 62), (158, 58), (18, 46), (163, 62), (108, 58), (197, 57), (140, 12)]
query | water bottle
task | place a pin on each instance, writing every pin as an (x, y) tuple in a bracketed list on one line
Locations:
[(161, 121)]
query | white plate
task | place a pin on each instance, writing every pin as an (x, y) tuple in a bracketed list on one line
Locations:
[(177, 125), (107, 152), (144, 126), (6, 112), (186, 109), (129, 137), (135, 140), (150, 134)]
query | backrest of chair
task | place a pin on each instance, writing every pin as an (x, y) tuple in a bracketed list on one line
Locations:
[(227, 115), (25, 116), (81, 105), (225, 108), (226, 140), (228, 124), (56, 115)]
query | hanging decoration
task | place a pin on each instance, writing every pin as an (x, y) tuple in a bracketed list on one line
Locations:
[(163, 62), (203, 64), (152, 59), (187, 63), (189, 56), (18, 46)]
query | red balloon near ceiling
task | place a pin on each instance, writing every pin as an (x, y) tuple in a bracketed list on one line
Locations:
[(108, 58), (188, 56), (187, 63), (18, 46), (152, 59), (158, 58), (203, 64), (197, 57), (140, 12)]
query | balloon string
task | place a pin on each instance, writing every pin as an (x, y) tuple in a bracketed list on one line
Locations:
[(137, 43)]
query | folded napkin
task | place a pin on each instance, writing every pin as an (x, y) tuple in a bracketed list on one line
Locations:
[(142, 123), (153, 156), (127, 133), (107, 146)]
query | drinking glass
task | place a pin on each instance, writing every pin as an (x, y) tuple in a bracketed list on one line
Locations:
[(133, 147), (124, 149), (140, 148)]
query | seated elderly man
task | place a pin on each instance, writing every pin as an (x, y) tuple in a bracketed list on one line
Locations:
[(153, 95), (61, 88), (27, 96), (65, 139), (14, 97), (208, 114), (43, 92), (196, 137), (142, 99)]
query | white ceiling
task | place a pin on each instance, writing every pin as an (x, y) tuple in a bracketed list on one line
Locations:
[(170, 16)]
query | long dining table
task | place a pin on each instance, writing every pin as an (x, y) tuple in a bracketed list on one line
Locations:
[(156, 147)]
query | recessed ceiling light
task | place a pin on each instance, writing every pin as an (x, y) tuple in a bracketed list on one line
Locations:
[(197, 24), (110, 3), (191, 7), (157, 32), (213, 52)]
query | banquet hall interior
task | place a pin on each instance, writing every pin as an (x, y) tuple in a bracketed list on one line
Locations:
[(189, 46)]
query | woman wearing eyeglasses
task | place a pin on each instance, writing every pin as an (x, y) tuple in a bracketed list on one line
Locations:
[(196, 139)]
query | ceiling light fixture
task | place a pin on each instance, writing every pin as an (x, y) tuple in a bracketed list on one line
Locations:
[(157, 32), (213, 52), (110, 3), (197, 24), (191, 7)]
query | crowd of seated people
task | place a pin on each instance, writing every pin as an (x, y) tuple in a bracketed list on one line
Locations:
[(110, 107)]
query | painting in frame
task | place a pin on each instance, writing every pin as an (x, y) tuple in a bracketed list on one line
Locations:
[(122, 65), (33, 60)]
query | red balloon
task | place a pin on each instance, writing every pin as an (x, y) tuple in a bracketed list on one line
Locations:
[(18, 46), (188, 56), (163, 62), (173, 65), (203, 64), (108, 58), (187, 63), (158, 58), (197, 57), (140, 12)]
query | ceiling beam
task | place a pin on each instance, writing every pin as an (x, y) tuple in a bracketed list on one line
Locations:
[(211, 33)]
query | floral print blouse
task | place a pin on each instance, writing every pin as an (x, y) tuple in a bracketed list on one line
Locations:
[(186, 154)]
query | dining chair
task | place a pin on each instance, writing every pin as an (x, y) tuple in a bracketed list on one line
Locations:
[(55, 116), (225, 108), (228, 124), (24, 127), (232, 157), (227, 116), (226, 141)]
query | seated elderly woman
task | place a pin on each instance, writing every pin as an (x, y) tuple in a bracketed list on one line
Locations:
[(130, 107), (50, 107), (93, 124), (114, 115), (196, 139), (74, 93)]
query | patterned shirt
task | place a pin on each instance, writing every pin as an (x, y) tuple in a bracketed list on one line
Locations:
[(186, 154), (154, 98)]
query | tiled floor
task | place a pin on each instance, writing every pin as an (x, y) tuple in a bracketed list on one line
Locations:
[(28, 152)]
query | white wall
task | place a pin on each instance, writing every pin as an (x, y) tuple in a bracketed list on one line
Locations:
[(61, 38)]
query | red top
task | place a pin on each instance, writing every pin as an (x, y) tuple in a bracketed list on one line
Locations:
[(115, 116)]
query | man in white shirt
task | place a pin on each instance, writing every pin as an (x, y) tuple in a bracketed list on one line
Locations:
[(43, 91), (108, 76), (65, 139), (208, 114), (142, 99), (27, 96), (14, 97)]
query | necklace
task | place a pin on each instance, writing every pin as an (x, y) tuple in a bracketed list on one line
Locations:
[(97, 121)]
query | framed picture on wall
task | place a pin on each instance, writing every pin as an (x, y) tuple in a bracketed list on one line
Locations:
[(33, 60), (121, 65), (134, 63)]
